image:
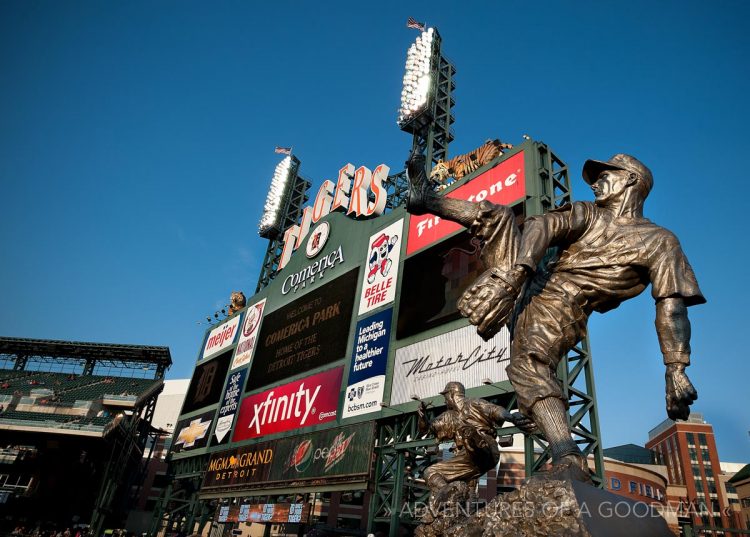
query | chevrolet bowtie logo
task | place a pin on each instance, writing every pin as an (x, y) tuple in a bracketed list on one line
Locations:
[(197, 430)]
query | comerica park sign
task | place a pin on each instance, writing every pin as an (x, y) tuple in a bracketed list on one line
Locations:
[(350, 193)]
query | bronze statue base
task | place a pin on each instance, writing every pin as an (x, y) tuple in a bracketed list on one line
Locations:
[(542, 508)]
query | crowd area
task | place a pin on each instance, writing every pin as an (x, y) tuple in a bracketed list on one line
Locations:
[(44, 531)]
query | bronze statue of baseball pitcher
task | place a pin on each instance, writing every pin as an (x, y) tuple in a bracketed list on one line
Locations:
[(607, 252)]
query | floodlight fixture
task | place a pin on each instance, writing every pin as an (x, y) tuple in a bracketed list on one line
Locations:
[(278, 196), (421, 64)]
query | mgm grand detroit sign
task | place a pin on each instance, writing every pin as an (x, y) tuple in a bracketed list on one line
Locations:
[(286, 391)]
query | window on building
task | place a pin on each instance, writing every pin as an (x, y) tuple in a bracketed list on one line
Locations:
[(696, 471), (699, 486), (702, 439), (712, 487), (691, 439), (706, 458), (745, 502), (708, 471)]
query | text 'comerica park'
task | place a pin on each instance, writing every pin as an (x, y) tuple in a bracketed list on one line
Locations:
[(307, 274)]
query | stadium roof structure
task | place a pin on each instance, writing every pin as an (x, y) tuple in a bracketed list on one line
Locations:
[(19, 350)]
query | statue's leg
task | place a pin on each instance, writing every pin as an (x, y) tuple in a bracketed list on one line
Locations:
[(423, 199), (547, 328)]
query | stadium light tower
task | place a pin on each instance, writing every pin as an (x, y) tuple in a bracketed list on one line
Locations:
[(426, 98), (283, 207)]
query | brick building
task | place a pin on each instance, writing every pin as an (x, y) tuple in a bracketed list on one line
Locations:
[(688, 449)]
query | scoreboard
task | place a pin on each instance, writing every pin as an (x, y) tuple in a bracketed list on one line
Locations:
[(363, 313)]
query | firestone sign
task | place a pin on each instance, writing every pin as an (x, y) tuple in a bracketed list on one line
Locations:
[(351, 193), (504, 184)]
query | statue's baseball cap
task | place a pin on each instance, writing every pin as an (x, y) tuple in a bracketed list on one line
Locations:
[(453, 386), (620, 161)]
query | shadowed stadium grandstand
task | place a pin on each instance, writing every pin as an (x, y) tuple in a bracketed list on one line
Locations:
[(75, 420)]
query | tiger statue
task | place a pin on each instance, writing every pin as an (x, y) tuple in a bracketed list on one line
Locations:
[(462, 165), (236, 302)]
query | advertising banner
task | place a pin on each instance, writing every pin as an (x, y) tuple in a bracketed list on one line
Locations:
[(229, 406), (383, 253), (271, 513), (310, 332), (241, 466), (221, 337), (503, 184), (248, 334), (295, 405), (192, 433), (321, 457), (207, 383), (424, 368), (364, 391), (344, 451)]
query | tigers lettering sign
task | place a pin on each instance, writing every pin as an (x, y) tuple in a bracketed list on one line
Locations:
[(310, 332), (504, 184)]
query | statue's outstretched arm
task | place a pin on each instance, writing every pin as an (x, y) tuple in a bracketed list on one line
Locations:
[(673, 329)]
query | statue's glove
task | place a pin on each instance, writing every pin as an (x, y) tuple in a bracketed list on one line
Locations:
[(489, 302), (680, 392), (524, 423)]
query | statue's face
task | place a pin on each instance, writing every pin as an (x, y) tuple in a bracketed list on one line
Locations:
[(610, 186)]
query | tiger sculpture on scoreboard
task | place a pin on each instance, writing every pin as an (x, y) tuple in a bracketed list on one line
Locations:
[(462, 165)]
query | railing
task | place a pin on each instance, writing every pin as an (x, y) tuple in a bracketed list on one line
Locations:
[(53, 424), (113, 397)]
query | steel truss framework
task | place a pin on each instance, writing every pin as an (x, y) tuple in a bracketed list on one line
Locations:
[(290, 215), (401, 455), (83, 357), (179, 507)]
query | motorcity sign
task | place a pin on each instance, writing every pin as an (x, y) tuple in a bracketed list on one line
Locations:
[(229, 405), (424, 368), (383, 254), (302, 403), (502, 184), (364, 391), (221, 337), (350, 193)]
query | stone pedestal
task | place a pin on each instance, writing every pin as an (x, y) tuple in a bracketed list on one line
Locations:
[(545, 508)]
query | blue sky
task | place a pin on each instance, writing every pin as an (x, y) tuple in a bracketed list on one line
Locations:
[(136, 147)]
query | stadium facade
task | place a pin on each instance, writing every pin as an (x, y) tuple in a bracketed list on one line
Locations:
[(309, 392)]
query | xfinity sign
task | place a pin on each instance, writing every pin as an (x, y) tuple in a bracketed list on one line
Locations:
[(295, 405)]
